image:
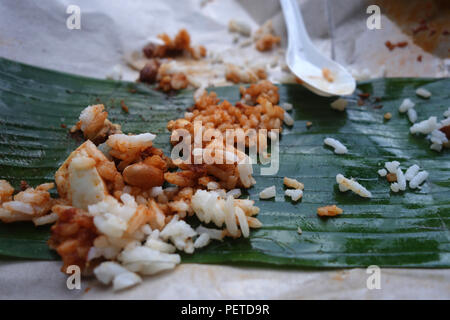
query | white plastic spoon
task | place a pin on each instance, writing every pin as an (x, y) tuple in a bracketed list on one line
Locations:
[(307, 63)]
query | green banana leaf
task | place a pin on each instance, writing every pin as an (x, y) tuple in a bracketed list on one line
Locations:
[(406, 229)]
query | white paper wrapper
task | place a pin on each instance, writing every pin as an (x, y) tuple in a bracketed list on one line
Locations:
[(35, 32)]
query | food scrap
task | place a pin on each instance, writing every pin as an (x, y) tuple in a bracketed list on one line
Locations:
[(329, 211), (265, 37), (162, 67), (124, 106), (326, 73), (391, 46)]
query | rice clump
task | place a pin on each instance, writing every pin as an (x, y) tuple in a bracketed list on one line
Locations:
[(412, 175), (438, 139), (434, 130), (425, 126)]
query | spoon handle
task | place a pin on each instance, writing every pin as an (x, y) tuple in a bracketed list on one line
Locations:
[(297, 35)]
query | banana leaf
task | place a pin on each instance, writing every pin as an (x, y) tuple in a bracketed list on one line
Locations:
[(406, 229)]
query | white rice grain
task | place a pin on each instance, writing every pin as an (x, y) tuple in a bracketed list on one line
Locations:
[(411, 172), (132, 139), (153, 242), (286, 106), (235, 193), (288, 120), (239, 27), (412, 115), (295, 194), (395, 187), (418, 179), (353, 186), (436, 147), (215, 234), (424, 93), (243, 223), (212, 185), (339, 148), (202, 241), (406, 105), (401, 179), (339, 104), (107, 271), (268, 193), (230, 217), (392, 166), (126, 280), (19, 207), (47, 219)]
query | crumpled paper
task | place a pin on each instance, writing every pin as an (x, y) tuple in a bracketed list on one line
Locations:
[(35, 32)]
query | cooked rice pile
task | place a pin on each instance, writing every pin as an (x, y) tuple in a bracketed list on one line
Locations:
[(112, 206), (162, 69), (113, 215)]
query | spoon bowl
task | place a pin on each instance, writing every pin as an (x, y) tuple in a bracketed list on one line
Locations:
[(319, 74)]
